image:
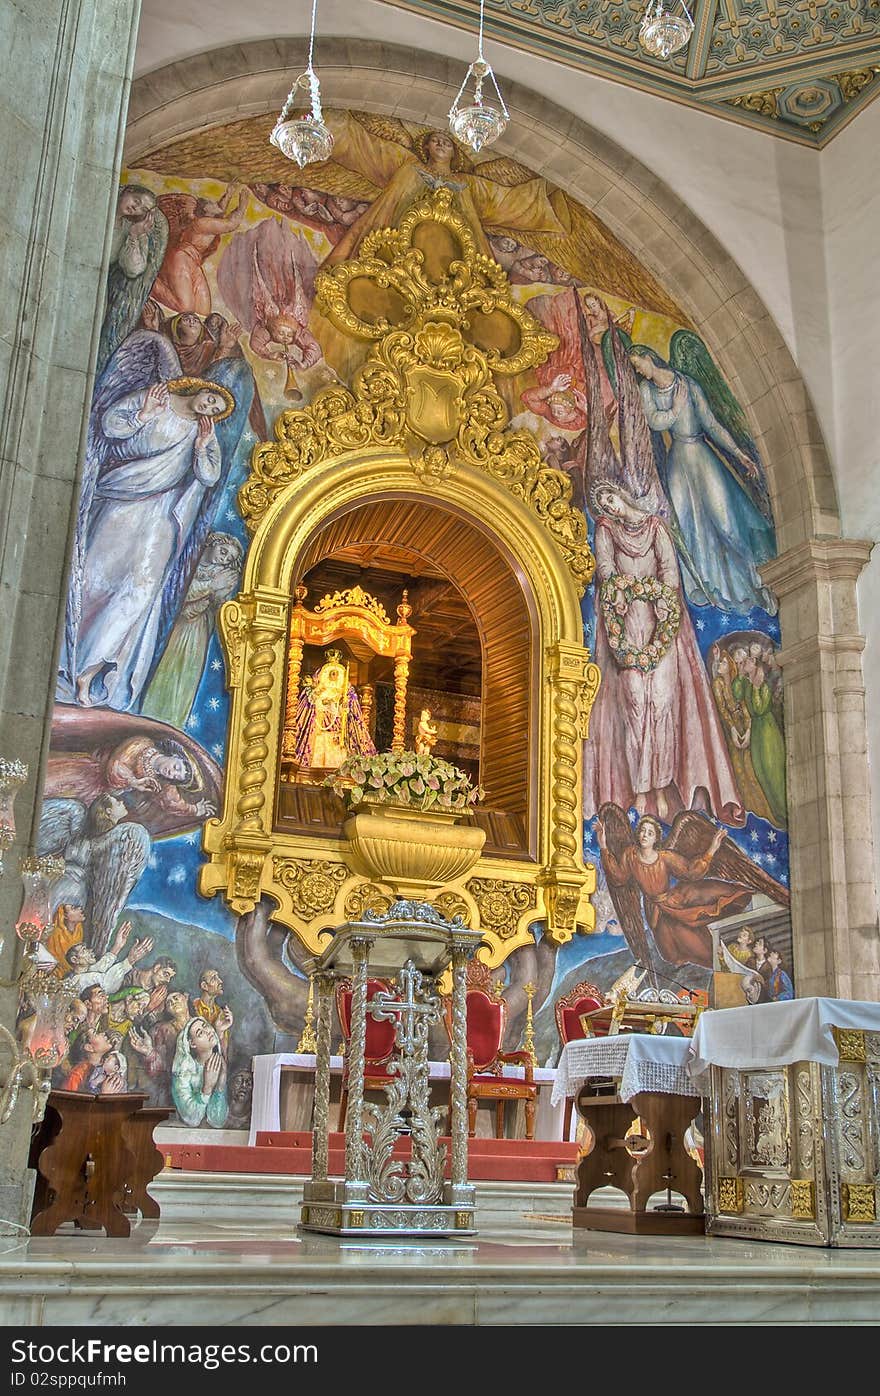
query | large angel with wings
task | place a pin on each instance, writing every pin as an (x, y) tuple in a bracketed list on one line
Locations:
[(710, 472), (267, 278), (104, 855), (675, 887), (152, 467)]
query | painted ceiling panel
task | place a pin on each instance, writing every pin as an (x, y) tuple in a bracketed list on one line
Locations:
[(800, 69)]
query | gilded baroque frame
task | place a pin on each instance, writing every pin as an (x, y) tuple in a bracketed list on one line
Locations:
[(423, 418)]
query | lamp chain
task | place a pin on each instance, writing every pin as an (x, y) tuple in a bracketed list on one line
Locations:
[(312, 34)]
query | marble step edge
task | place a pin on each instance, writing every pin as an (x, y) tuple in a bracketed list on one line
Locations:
[(249, 1193)]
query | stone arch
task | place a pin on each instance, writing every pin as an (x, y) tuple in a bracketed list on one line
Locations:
[(243, 80)]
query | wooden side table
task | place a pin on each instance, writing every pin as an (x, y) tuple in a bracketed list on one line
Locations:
[(94, 1156), (616, 1080), (640, 1165)]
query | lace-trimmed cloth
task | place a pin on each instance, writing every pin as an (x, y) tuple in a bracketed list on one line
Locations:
[(637, 1061)]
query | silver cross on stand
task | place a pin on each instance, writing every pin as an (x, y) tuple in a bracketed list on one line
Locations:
[(411, 1013)]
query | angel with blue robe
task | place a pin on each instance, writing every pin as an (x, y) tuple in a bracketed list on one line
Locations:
[(709, 470), (155, 458)]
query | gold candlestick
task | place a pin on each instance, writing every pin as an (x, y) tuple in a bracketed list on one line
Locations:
[(308, 1041), (529, 1035)]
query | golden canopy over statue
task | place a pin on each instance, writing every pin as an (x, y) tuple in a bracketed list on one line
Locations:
[(325, 719)]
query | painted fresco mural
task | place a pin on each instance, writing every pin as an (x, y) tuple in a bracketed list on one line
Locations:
[(210, 330)]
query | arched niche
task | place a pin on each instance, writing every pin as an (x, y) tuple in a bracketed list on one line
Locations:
[(450, 540)]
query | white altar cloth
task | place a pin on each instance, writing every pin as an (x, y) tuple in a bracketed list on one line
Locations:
[(641, 1061), (777, 1034), (265, 1110)]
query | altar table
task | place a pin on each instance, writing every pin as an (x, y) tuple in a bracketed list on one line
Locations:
[(793, 1137), (616, 1081), (275, 1108)]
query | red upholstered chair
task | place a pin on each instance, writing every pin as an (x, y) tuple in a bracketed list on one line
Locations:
[(583, 997), (486, 1022), (379, 1040)]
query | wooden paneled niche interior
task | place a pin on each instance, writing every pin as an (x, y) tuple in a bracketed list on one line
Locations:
[(472, 656)]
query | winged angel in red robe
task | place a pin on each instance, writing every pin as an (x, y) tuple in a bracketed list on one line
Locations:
[(677, 886)]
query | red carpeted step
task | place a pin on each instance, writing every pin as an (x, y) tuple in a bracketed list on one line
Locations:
[(290, 1152)]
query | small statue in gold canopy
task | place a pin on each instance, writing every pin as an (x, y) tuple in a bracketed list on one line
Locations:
[(426, 734)]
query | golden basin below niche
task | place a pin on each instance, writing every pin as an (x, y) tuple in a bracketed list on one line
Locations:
[(412, 850)]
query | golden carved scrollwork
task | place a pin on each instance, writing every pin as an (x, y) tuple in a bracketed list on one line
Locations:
[(450, 904), (366, 896), (731, 1195), (353, 597), (851, 1044), (233, 628), (852, 83), (501, 904), (313, 884), (427, 387), (765, 103), (803, 1199), (246, 871)]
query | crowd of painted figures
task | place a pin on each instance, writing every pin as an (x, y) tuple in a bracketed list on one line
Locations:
[(210, 329)]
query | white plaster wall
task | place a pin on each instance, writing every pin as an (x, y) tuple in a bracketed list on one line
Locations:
[(851, 204)]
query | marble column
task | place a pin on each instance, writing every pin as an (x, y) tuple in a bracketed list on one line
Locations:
[(834, 897), (65, 68)]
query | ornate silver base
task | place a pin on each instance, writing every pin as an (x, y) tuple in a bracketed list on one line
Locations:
[(794, 1151), (328, 1207), (395, 1164)]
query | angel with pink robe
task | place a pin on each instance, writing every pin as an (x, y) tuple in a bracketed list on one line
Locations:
[(656, 741), (267, 278)]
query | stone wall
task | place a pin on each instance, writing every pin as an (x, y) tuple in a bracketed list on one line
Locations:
[(64, 78)]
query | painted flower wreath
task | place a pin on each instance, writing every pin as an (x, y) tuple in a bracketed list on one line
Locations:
[(653, 591)]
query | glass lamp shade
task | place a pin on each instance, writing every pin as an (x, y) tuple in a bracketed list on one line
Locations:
[(663, 33), (477, 125), (305, 140), (474, 121), (13, 774), (50, 1001), (35, 916)]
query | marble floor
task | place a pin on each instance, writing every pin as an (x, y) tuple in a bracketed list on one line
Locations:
[(227, 1251)]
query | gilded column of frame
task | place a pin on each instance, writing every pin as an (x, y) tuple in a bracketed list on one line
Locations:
[(253, 762), (574, 685), (294, 667), (564, 832), (401, 676)]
